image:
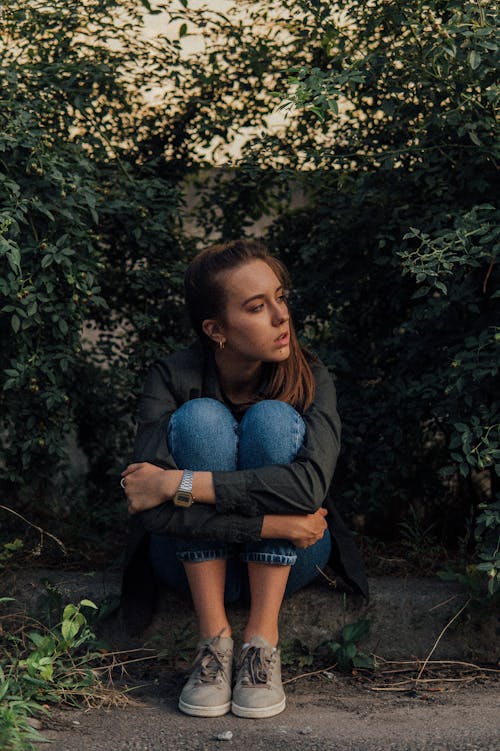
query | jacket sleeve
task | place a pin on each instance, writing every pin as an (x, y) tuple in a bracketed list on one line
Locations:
[(302, 485), (156, 406)]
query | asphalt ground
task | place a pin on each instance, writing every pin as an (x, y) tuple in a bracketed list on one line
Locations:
[(321, 715)]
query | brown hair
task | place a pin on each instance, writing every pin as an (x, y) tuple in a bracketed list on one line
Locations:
[(290, 381)]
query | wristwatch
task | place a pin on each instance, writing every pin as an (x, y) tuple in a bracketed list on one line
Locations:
[(184, 493)]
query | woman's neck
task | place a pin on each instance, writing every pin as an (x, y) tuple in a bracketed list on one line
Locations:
[(239, 381)]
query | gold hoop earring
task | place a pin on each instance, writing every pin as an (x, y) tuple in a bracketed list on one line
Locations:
[(221, 343)]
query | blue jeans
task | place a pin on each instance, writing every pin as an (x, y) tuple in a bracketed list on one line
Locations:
[(203, 435)]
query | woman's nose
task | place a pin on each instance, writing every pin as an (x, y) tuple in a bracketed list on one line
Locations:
[(280, 316)]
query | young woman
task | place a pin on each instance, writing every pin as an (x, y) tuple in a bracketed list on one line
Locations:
[(237, 442)]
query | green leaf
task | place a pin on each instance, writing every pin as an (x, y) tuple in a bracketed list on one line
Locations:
[(474, 59), (36, 638), (362, 660), (69, 611), (69, 629), (350, 650), (88, 604), (333, 106), (14, 258), (15, 323), (183, 30), (318, 112), (354, 632)]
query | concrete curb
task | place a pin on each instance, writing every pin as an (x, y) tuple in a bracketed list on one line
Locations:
[(407, 615)]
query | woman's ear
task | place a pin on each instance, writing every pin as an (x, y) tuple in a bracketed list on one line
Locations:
[(212, 329)]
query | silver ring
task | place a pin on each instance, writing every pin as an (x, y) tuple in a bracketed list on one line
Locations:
[(122, 483)]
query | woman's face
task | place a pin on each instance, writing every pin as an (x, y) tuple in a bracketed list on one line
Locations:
[(255, 326)]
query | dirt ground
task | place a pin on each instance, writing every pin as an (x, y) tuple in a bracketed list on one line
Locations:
[(326, 711)]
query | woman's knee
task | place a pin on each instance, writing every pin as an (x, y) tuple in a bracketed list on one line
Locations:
[(202, 436), (271, 432), (204, 412)]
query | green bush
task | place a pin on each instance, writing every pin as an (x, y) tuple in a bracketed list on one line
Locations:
[(377, 190), (89, 246)]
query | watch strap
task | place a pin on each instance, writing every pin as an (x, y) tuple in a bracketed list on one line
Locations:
[(186, 484)]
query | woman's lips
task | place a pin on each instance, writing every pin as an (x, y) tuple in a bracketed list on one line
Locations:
[(283, 339)]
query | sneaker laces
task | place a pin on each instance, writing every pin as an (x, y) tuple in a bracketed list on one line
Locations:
[(209, 663), (256, 664)]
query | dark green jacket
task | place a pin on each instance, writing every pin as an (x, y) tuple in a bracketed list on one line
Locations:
[(243, 497)]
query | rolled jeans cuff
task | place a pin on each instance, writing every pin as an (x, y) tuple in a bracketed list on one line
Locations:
[(273, 559), (197, 556), (273, 552)]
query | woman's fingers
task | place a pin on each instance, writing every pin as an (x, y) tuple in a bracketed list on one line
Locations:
[(312, 528), (131, 468)]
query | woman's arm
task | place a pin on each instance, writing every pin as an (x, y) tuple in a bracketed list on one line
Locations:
[(302, 530), (200, 521), (298, 487)]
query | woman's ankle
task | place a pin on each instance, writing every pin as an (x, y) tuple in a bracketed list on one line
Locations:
[(211, 632), (270, 635)]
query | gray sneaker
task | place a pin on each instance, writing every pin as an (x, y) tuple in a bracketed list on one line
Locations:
[(258, 691), (207, 692)]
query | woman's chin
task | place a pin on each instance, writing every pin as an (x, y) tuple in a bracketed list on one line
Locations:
[(281, 355)]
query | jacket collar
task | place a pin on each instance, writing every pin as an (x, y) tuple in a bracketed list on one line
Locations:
[(210, 386)]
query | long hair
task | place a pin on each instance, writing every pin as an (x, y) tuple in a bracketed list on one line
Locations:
[(291, 380)]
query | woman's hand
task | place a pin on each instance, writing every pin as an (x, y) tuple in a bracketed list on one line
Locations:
[(147, 486), (302, 530)]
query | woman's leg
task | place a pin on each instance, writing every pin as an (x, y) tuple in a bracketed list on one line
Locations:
[(207, 582), (271, 432), (267, 588), (202, 436)]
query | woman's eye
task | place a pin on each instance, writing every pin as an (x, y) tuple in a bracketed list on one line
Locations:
[(256, 308)]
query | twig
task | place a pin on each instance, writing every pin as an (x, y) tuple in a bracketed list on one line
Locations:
[(488, 274), (114, 665), (440, 604), (409, 683), (431, 662), (35, 526), (465, 678), (129, 651), (436, 663), (332, 582), (440, 637), (463, 664), (313, 672)]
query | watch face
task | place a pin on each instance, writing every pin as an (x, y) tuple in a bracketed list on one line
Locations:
[(183, 498)]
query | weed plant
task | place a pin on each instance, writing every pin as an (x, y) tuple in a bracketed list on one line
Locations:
[(43, 666), (345, 651)]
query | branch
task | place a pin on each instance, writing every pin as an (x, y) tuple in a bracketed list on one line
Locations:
[(35, 526)]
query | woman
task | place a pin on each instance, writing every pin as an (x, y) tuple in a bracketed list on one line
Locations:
[(237, 443)]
